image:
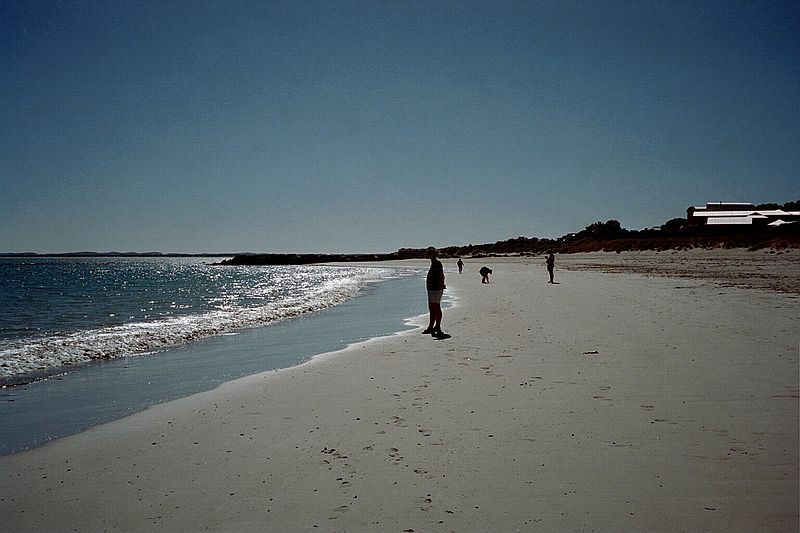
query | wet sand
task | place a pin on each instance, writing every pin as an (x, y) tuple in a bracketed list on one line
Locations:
[(608, 402)]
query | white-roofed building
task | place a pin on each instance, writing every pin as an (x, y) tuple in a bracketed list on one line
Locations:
[(733, 221), (738, 214)]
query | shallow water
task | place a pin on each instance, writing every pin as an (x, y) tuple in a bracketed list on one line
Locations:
[(32, 414), (67, 311)]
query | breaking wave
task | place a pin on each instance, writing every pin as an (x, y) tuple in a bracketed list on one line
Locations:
[(259, 297)]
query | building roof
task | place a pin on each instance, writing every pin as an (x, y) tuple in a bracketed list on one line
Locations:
[(763, 212), (728, 221), (722, 206), (717, 214)]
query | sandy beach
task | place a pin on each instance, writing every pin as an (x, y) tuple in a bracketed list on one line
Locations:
[(626, 400)]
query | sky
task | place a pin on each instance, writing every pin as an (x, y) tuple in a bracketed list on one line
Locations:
[(368, 126)]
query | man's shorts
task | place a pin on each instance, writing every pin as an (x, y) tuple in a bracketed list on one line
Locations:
[(435, 297)]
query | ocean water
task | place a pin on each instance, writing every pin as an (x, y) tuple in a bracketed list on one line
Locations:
[(56, 312), (137, 332)]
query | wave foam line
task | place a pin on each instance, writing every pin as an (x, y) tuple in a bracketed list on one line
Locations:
[(52, 352)]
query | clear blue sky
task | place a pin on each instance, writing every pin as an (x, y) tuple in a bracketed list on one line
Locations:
[(366, 126)]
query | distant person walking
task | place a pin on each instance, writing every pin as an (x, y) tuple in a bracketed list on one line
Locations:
[(551, 265), (484, 272), (460, 265), (435, 285)]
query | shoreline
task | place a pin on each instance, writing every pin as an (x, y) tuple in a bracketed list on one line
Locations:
[(52, 337), (608, 402), (34, 413)]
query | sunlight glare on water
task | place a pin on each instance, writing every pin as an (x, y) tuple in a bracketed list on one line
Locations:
[(66, 311)]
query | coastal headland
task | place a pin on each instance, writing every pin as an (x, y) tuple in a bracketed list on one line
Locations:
[(607, 236), (609, 401)]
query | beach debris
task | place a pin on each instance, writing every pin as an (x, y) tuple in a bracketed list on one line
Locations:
[(591, 352)]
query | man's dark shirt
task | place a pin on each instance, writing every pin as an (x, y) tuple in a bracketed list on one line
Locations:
[(435, 277)]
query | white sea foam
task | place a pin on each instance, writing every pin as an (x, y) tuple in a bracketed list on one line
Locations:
[(39, 354)]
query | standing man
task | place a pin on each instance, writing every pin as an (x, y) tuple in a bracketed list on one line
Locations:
[(460, 265), (435, 285), (551, 264)]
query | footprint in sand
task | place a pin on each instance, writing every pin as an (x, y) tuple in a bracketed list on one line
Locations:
[(394, 454), (426, 503)]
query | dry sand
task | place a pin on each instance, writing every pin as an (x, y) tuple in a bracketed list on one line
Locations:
[(609, 402), (768, 269)]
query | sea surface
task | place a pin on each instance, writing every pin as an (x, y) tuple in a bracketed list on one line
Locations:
[(87, 340), (67, 311)]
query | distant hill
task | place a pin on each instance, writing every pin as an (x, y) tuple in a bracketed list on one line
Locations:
[(611, 237), (677, 233), (607, 236)]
